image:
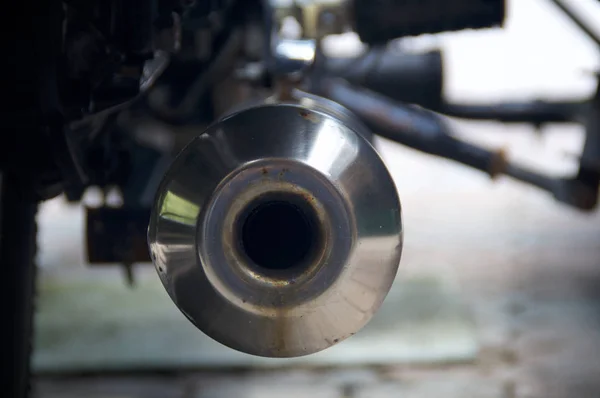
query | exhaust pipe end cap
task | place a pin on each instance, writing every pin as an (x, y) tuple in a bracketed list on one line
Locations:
[(278, 232)]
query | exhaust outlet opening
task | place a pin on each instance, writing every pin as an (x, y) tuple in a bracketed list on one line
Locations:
[(279, 234), (270, 231)]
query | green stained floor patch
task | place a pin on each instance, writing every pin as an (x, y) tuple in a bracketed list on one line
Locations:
[(91, 321)]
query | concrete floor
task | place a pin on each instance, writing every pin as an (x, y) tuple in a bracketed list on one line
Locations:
[(526, 269)]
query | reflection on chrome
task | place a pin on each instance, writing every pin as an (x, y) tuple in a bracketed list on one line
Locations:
[(332, 150), (177, 209), (278, 232)]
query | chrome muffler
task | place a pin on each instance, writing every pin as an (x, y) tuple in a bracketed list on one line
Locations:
[(278, 231)]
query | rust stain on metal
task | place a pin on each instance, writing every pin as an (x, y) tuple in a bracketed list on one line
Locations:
[(280, 329), (283, 172), (309, 116), (308, 197), (498, 164)]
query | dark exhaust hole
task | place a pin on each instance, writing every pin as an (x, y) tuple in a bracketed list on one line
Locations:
[(278, 235)]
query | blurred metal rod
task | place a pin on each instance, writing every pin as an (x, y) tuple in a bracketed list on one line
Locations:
[(399, 75), (536, 179), (409, 125), (536, 112), (577, 21), (426, 131)]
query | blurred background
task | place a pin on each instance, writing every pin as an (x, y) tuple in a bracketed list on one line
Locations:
[(498, 293)]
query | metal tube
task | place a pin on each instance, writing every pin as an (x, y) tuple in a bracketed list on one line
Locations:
[(425, 131), (577, 21), (536, 112), (274, 228), (541, 181), (412, 126)]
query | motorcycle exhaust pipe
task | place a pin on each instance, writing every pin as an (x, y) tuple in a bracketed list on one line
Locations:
[(278, 231)]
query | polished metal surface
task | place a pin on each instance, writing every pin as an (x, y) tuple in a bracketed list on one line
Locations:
[(278, 231), (293, 56)]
